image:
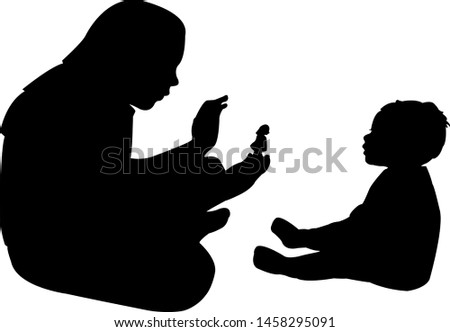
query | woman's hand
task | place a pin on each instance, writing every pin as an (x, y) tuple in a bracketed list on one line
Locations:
[(205, 128)]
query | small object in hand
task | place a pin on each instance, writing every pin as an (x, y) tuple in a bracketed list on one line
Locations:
[(260, 144)]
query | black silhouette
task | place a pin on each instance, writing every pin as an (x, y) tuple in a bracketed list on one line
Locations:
[(260, 144), (80, 216), (391, 238)]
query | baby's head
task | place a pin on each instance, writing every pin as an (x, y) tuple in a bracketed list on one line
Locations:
[(405, 133)]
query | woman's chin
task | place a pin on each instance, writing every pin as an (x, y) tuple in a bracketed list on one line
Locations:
[(144, 106)]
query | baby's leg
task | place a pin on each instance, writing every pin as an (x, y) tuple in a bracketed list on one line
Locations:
[(317, 266), (330, 237)]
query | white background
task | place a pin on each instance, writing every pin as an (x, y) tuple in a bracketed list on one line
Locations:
[(309, 69)]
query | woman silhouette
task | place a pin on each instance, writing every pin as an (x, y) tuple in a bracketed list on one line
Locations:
[(70, 188)]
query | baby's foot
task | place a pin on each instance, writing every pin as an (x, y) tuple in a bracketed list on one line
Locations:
[(269, 260), (288, 233)]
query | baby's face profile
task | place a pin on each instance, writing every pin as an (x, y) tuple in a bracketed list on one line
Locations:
[(383, 145)]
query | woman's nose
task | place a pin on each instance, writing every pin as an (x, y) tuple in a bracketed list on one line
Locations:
[(174, 81)]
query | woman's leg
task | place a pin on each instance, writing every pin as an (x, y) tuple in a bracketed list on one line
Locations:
[(158, 279)]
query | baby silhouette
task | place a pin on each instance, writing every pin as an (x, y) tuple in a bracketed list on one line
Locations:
[(78, 214), (391, 238)]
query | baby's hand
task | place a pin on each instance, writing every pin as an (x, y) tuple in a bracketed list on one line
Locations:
[(205, 128)]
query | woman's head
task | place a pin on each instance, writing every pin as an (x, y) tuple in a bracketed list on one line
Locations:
[(134, 46)]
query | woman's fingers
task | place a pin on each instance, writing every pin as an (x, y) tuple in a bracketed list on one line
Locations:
[(222, 99)]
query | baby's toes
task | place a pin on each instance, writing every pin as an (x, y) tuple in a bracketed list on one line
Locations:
[(268, 260)]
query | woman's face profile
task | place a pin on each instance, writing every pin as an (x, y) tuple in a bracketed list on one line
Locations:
[(149, 81)]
